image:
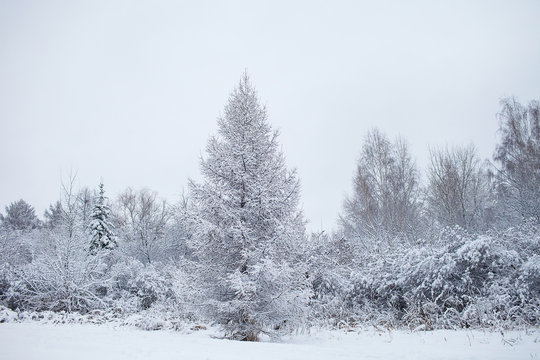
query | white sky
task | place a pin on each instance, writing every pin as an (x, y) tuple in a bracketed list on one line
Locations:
[(129, 91)]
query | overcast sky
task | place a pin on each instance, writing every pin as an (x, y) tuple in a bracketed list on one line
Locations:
[(129, 92)]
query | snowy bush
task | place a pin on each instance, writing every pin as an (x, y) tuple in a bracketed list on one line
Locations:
[(16, 246), (329, 260), (460, 280), (135, 286), (64, 277)]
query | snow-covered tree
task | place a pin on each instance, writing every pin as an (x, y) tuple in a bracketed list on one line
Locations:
[(53, 215), (62, 274), (246, 224), (141, 220), (20, 216), (384, 207), (85, 202), (457, 191), (102, 236), (518, 156)]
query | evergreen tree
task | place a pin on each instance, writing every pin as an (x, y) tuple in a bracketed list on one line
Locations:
[(54, 215), (246, 224), (102, 236), (20, 216)]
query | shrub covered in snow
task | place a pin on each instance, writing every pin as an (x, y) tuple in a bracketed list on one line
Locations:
[(66, 277), (460, 280)]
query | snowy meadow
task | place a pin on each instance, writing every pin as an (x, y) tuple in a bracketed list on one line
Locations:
[(68, 341)]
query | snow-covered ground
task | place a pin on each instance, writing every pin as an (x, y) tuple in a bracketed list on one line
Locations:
[(79, 342)]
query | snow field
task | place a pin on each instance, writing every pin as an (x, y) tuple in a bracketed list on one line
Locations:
[(47, 341)]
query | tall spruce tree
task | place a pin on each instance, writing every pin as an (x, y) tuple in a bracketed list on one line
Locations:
[(102, 236), (246, 224)]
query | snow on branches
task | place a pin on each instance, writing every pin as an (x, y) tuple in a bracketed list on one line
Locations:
[(102, 236), (246, 223)]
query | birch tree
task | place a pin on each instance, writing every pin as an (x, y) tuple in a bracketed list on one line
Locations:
[(384, 209), (457, 190), (518, 156)]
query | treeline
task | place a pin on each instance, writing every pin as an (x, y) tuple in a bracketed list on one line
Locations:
[(461, 250)]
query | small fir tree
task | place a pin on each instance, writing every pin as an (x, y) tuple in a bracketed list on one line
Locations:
[(102, 236)]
